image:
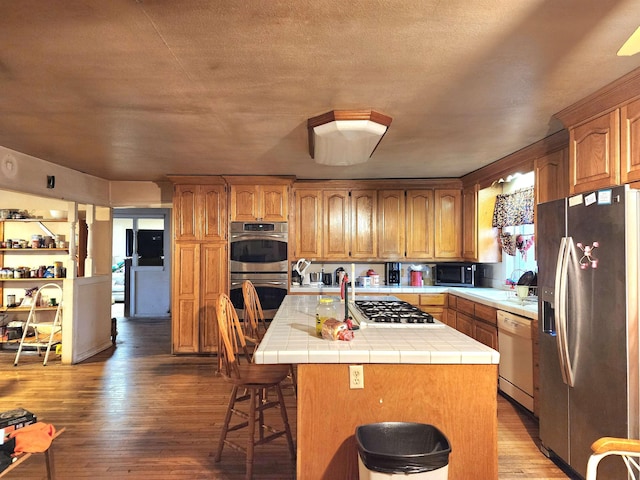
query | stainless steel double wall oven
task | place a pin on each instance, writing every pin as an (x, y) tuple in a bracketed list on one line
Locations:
[(258, 252)]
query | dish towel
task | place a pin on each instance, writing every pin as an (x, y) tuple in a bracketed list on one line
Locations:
[(33, 438)]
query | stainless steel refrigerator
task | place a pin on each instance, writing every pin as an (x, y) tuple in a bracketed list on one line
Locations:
[(587, 249)]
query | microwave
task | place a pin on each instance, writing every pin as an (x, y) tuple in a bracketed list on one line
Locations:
[(455, 274)]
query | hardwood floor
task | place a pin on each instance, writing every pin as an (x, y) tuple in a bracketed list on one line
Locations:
[(136, 412)]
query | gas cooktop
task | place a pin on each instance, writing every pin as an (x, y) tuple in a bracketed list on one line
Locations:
[(391, 313)]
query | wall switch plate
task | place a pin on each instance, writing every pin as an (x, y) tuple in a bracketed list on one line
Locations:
[(356, 376)]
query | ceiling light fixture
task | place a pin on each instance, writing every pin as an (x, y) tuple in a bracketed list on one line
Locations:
[(631, 46), (346, 137)]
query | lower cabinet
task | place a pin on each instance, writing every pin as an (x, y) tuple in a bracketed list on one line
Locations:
[(433, 303), (475, 320), (200, 272)]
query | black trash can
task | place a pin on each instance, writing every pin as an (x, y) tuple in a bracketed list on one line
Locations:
[(395, 449)]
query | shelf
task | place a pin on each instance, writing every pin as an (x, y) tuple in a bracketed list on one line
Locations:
[(27, 220), (26, 309), (33, 250), (34, 279)]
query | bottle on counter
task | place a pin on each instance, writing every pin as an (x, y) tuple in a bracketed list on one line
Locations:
[(325, 310)]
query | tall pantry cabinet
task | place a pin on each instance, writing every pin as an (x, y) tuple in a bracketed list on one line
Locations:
[(200, 262)]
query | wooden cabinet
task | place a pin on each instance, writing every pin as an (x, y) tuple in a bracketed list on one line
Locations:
[(474, 319), (448, 223), (376, 224), (470, 223), (364, 225), (199, 212), (257, 202), (200, 263), (435, 304), (594, 153), (630, 142), (464, 324), (551, 176), (336, 224), (308, 224), (420, 224), (391, 224)]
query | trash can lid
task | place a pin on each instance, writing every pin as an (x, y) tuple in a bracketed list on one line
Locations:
[(402, 447)]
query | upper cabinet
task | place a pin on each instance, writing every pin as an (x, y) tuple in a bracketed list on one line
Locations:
[(604, 128), (308, 223), (448, 223), (391, 224), (420, 220), (349, 224), (630, 142), (373, 223), (594, 153), (199, 212), (256, 202), (364, 234)]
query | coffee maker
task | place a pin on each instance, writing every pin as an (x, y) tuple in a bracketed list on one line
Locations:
[(392, 273)]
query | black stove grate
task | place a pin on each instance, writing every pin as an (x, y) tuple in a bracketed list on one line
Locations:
[(392, 311)]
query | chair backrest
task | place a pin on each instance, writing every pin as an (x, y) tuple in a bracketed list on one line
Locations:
[(232, 344), (253, 314)]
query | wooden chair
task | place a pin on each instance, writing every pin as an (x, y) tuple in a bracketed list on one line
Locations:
[(627, 448), (255, 325), (249, 382)]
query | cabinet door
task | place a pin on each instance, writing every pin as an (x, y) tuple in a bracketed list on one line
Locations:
[(213, 267), (185, 308), (630, 142), (273, 203), (486, 334), (213, 216), (244, 203), (308, 219), (464, 324), (185, 212), (335, 231), (486, 313), (448, 223), (364, 210), (450, 318), (594, 153), (391, 224), (199, 212), (419, 228), (551, 176), (470, 223)]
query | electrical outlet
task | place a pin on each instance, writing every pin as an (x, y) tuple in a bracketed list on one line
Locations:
[(356, 376)]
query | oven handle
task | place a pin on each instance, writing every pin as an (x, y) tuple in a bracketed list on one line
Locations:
[(261, 284), (252, 236)]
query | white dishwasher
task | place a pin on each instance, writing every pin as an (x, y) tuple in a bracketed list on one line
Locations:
[(516, 357)]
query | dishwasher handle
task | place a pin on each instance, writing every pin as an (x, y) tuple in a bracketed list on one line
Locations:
[(514, 324)]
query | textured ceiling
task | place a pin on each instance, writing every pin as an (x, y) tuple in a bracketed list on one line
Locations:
[(136, 90)]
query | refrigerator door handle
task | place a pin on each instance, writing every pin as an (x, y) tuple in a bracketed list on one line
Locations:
[(561, 310)]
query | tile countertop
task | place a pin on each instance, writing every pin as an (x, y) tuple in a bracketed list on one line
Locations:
[(502, 299), (291, 338)]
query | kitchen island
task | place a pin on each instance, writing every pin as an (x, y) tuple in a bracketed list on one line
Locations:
[(431, 374)]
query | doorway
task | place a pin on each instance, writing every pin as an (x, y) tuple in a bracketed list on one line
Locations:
[(141, 262)]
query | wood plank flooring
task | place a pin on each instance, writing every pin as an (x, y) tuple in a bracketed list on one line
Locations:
[(137, 412)]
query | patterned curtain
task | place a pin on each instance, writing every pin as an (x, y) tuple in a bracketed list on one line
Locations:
[(514, 209)]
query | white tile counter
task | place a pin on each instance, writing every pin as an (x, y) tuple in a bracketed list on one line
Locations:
[(291, 338), (502, 299)]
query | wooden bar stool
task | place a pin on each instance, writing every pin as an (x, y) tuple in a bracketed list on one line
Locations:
[(249, 382), (255, 325)]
